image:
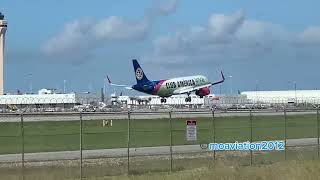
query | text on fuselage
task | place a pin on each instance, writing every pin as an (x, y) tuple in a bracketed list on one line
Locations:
[(190, 82)]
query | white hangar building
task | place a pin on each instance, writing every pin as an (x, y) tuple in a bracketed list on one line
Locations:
[(290, 96), (44, 99)]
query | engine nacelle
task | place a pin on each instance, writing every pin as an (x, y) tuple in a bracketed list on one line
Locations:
[(203, 92)]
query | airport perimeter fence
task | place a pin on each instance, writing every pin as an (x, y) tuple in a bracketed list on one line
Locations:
[(84, 145), (30, 104)]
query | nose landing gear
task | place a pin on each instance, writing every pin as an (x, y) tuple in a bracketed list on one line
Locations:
[(188, 99), (163, 100)]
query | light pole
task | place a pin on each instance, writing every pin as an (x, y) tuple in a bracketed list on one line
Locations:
[(64, 86), (231, 91), (105, 87), (30, 83), (90, 87), (257, 90), (295, 92)]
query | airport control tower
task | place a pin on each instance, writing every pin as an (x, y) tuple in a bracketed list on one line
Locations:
[(3, 28)]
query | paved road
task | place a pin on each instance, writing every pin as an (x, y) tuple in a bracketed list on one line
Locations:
[(122, 152), (140, 115)]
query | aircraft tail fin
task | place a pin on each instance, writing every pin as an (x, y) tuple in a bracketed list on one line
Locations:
[(140, 76)]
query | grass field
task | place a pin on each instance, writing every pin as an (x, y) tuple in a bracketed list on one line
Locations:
[(290, 170), (197, 166), (64, 135)]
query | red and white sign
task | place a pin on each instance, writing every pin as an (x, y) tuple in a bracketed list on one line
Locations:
[(191, 133)]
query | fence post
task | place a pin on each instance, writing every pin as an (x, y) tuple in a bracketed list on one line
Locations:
[(128, 144), (213, 135), (285, 134), (251, 138), (318, 130), (171, 159), (80, 145), (22, 145)]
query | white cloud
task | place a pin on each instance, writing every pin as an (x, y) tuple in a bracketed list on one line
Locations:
[(167, 8), (223, 27), (257, 30), (84, 34), (81, 34), (162, 8), (219, 31), (70, 38), (224, 37), (310, 36), (117, 28)]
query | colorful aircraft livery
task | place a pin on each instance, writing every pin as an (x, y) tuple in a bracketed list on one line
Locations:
[(166, 88), (183, 83)]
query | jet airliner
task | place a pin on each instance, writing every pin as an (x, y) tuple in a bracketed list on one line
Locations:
[(166, 88)]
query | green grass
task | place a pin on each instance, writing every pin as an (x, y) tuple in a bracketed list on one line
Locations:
[(64, 135), (189, 166)]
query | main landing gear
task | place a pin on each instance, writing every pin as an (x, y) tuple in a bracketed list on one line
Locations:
[(188, 99), (163, 100)]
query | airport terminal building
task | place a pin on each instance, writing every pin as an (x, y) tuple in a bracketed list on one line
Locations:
[(283, 97), (45, 99)]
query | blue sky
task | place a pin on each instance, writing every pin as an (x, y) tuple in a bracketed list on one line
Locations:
[(265, 44)]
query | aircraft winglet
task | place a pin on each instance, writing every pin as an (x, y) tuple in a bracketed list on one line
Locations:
[(222, 76), (109, 80), (118, 85), (221, 81)]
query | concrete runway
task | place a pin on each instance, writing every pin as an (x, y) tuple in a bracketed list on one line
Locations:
[(122, 152), (135, 115)]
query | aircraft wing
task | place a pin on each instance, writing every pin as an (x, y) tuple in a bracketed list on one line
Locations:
[(184, 90), (118, 85)]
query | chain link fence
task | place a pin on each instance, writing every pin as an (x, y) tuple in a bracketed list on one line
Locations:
[(73, 103), (98, 144)]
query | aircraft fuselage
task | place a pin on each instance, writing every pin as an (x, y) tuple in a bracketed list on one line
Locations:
[(166, 88)]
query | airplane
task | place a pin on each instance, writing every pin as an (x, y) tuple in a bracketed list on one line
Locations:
[(166, 88)]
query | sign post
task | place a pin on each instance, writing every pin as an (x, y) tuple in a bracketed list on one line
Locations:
[(191, 133)]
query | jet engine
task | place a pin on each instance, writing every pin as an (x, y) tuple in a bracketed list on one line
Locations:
[(203, 92)]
